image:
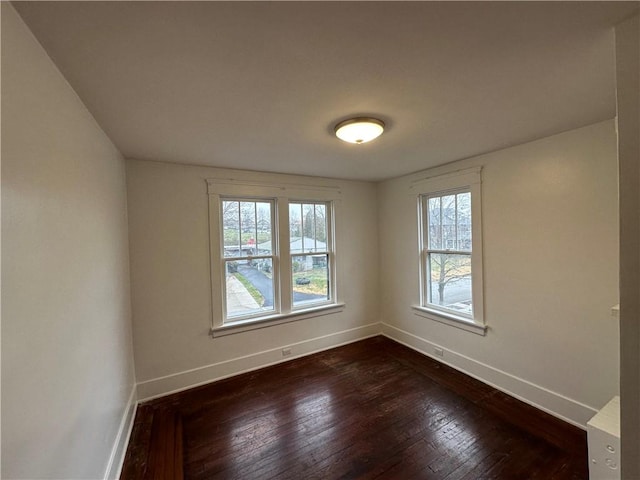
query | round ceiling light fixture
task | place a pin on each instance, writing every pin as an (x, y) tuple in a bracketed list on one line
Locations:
[(359, 130)]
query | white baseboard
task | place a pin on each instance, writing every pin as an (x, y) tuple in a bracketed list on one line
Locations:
[(119, 450), (567, 409), (558, 405), (159, 387)]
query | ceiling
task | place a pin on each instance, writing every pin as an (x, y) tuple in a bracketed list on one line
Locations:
[(260, 85)]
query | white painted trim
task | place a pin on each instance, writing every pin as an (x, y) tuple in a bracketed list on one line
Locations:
[(119, 449), (452, 182), (231, 186), (283, 309), (177, 382), (556, 404), (448, 319), (447, 181)]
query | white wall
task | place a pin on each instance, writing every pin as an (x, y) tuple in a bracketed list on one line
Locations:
[(171, 289), (550, 223), (67, 364)]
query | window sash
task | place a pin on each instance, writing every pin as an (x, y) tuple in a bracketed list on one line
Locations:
[(272, 226), (427, 237), (326, 206), (273, 256), (327, 251)]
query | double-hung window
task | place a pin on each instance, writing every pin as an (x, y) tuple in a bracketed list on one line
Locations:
[(447, 252), (272, 254), (451, 249)]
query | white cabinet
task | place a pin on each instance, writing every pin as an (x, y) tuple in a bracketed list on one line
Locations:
[(603, 438)]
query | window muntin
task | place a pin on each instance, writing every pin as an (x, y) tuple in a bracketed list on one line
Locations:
[(248, 257), (447, 252), (310, 250)]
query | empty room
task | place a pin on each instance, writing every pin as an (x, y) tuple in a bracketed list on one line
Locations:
[(320, 240)]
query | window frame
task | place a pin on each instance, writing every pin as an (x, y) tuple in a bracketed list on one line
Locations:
[(281, 194), (435, 186)]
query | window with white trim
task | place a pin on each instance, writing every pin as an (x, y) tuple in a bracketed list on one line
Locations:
[(451, 249), (272, 254)]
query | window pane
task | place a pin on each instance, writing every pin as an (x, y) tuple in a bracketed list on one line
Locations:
[(435, 231), (320, 227), (449, 282), (308, 243), (295, 227), (448, 221), (308, 227), (231, 228), (263, 228), (247, 228), (310, 279), (249, 285), (464, 221)]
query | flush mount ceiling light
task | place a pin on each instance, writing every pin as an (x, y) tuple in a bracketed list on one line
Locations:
[(359, 130)]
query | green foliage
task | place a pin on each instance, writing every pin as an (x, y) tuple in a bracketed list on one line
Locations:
[(263, 237), (318, 281), (231, 237)]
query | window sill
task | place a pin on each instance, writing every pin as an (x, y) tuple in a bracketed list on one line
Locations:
[(240, 326), (454, 321)]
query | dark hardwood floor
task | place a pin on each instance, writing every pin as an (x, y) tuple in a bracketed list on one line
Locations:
[(369, 410)]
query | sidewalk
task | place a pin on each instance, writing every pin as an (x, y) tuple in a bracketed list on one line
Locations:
[(239, 300)]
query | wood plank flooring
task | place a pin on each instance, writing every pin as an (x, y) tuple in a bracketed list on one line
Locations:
[(369, 410)]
